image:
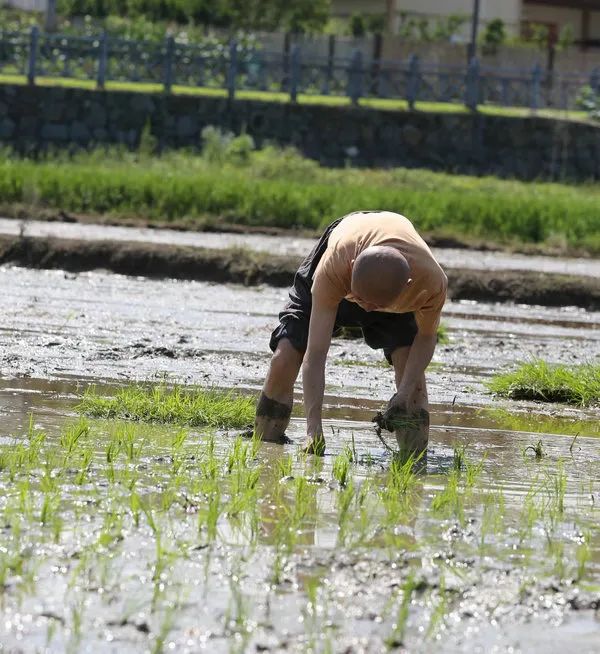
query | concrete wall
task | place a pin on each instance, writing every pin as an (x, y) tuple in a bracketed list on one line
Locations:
[(33, 118)]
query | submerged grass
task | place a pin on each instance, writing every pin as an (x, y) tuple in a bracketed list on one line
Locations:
[(539, 380), (278, 187), (198, 407)]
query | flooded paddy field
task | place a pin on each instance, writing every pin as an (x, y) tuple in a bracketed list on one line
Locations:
[(120, 536)]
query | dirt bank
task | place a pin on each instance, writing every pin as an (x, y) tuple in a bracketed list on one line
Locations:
[(210, 224), (243, 266)]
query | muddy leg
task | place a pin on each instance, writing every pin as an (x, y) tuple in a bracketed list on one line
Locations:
[(414, 436), (275, 403)]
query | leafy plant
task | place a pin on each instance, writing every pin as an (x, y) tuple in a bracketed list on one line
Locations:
[(589, 100)]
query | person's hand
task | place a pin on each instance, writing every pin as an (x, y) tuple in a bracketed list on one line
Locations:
[(314, 443), (398, 404), (396, 416)]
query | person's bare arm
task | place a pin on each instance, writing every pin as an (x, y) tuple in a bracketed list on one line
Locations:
[(322, 321), (419, 357)]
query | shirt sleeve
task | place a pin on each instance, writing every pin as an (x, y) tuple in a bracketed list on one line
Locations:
[(428, 316)]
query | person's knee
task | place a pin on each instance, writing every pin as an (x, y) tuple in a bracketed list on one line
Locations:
[(286, 360)]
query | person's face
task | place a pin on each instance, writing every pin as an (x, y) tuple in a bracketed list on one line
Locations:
[(364, 304)]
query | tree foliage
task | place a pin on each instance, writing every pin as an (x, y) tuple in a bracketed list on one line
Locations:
[(292, 15)]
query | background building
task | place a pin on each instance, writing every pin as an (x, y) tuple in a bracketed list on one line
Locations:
[(580, 17)]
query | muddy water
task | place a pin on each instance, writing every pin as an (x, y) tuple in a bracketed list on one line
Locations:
[(97, 325), (499, 570), (485, 581), (290, 245)]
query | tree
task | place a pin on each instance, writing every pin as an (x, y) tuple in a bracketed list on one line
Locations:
[(494, 36), (290, 15)]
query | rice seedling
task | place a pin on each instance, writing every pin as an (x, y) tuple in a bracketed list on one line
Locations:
[(70, 437), (538, 380), (312, 612), (166, 625), (210, 519), (449, 500), (439, 611), (285, 466), (85, 464), (559, 487), (341, 468), (492, 517), (537, 449), (583, 554), (529, 514), (344, 501), (201, 407), (396, 638), (473, 471), (458, 457)]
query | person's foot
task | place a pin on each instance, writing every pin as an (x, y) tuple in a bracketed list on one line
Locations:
[(314, 445)]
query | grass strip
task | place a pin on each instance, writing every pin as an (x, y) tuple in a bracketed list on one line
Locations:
[(279, 188), (539, 380), (198, 407), (386, 104)]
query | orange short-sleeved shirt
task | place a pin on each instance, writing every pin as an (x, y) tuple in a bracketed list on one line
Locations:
[(425, 296)]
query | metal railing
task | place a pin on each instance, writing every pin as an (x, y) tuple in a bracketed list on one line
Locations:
[(232, 68)]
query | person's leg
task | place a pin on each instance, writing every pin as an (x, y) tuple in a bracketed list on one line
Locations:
[(275, 403), (414, 435)]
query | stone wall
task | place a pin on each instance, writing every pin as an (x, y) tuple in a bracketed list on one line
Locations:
[(33, 118)]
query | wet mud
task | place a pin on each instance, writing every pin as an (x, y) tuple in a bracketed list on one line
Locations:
[(240, 265), (513, 566)]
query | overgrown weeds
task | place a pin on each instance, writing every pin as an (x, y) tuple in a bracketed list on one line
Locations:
[(538, 380)]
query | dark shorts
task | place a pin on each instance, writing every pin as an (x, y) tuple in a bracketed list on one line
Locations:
[(386, 331)]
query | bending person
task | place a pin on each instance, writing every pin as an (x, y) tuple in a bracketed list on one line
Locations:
[(369, 269)]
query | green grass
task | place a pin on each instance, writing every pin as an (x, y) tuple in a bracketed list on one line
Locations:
[(233, 183), (386, 104), (538, 380), (198, 407)]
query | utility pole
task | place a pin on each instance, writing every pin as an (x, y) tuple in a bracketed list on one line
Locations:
[(472, 51), (50, 16), (390, 16)]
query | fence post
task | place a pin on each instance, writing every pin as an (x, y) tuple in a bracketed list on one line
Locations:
[(472, 85), (355, 77), (168, 75), (33, 46), (102, 60), (595, 80), (294, 73), (536, 82), (412, 84), (330, 64), (232, 70)]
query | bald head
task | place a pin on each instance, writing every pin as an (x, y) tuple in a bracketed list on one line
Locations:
[(379, 274)]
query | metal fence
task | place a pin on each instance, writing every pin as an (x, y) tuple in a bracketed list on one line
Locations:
[(233, 68)]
